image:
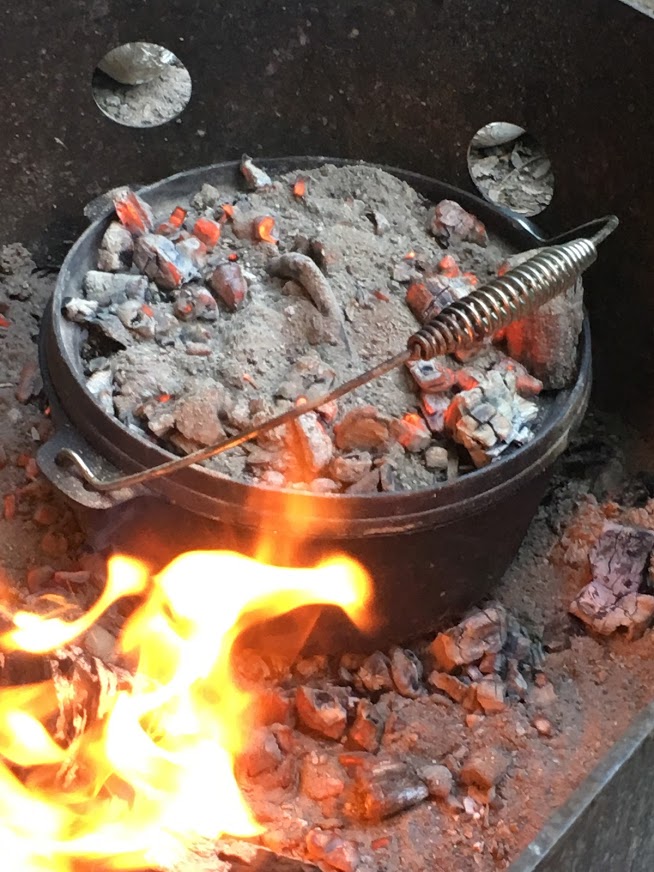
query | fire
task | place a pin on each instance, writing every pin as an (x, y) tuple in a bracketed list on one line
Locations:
[(155, 770), (300, 188), (264, 229)]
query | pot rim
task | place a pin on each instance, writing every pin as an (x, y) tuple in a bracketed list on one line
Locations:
[(128, 451)]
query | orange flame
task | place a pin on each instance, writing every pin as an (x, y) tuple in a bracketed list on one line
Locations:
[(300, 188), (264, 229), (156, 772)]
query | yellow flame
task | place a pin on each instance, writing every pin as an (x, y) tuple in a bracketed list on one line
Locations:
[(157, 772)]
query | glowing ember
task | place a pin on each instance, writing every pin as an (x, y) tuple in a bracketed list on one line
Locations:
[(155, 773), (300, 188), (264, 229)]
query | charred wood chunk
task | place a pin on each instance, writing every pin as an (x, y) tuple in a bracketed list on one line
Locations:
[(439, 780), (330, 849), (363, 429), (375, 673), (485, 768), (116, 249), (229, 283), (382, 788), (366, 732), (612, 600), (159, 259), (255, 177), (106, 288), (133, 212), (483, 631), (490, 417), (431, 376), (406, 670), (312, 442), (321, 711), (411, 432), (449, 222), (244, 857)]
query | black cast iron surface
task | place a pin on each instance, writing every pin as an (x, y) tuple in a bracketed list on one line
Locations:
[(405, 84)]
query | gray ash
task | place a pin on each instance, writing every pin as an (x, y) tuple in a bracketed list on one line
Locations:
[(215, 314)]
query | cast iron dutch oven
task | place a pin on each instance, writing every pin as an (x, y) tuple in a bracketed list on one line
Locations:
[(431, 553)]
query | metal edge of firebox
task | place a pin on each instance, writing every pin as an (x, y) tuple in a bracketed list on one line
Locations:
[(606, 824)]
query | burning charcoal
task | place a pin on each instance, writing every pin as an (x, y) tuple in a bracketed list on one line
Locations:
[(611, 600), (491, 691), (158, 259), (332, 850), (434, 407), (137, 317), (362, 429), (100, 385), (351, 467), (321, 711), (436, 458), (312, 442), (116, 249), (375, 673), (383, 788), (485, 768), (439, 780), (431, 377), (194, 250), (321, 777), (255, 177), (79, 310), (449, 222), (207, 231), (453, 687), (411, 432), (483, 631), (487, 439), (195, 302), (229, 283), (366, 732), (107, 288), (303, 270), (196, 415), (546, 341), (133, 212), (421, 301), (406, 670)]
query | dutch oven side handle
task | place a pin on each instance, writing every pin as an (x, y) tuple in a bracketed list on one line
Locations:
[(73, 487)]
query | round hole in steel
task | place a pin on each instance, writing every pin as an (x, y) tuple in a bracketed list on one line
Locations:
[(511, 168), (141, 84)]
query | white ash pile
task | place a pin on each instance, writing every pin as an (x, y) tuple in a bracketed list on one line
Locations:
[(209, 319), (343, 746)]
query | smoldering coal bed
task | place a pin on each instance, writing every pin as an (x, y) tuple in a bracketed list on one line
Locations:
[(448, 541)]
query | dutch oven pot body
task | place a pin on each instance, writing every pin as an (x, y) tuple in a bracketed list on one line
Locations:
[(431, 553)]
